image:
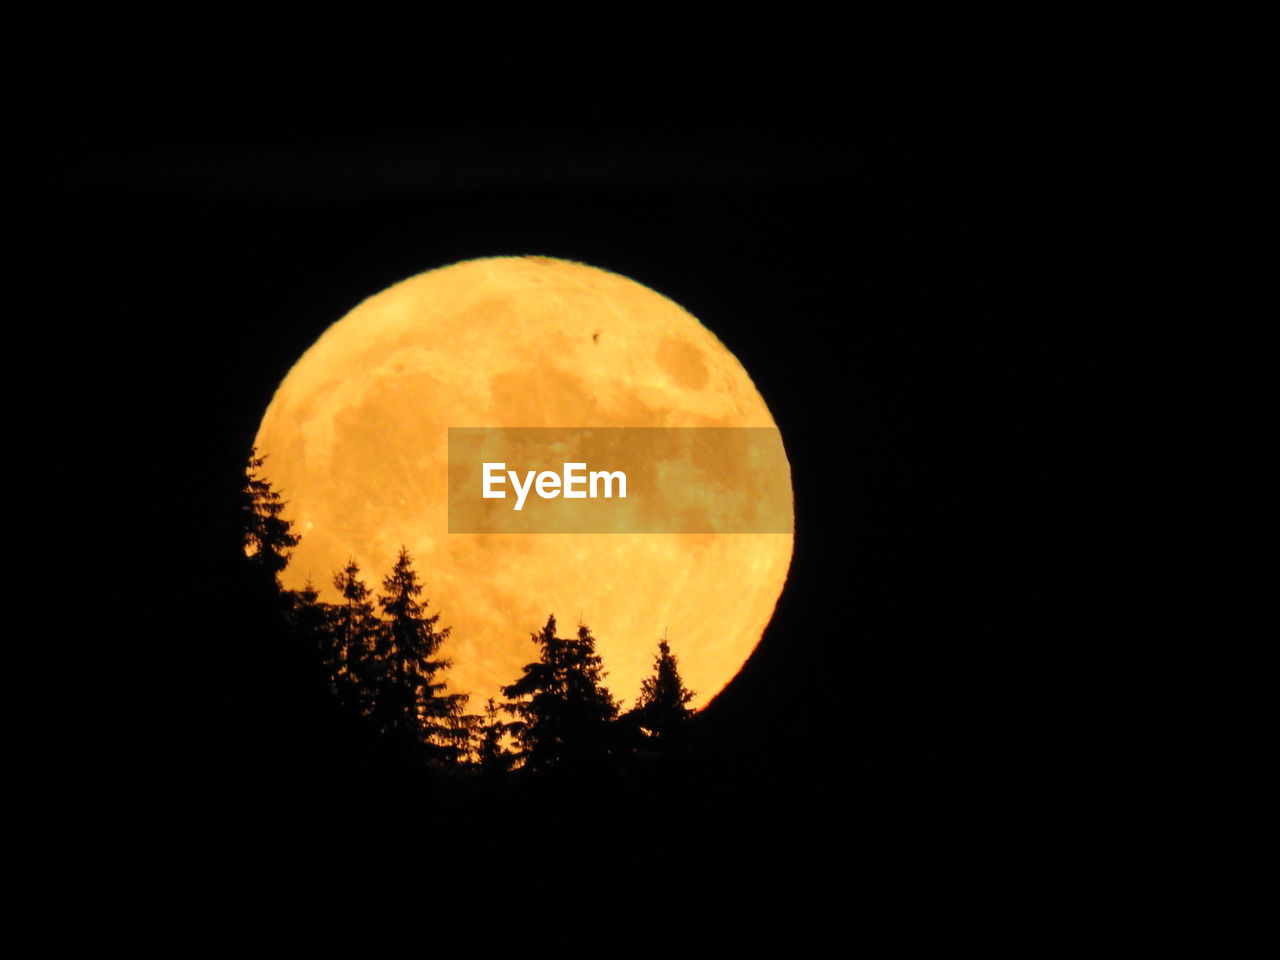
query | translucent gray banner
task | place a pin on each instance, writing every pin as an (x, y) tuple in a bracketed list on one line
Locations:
[(619, 480)]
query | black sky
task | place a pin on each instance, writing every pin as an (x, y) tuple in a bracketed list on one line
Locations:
[(926, 259)]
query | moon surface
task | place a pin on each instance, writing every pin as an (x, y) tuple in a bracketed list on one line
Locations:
[(356, 439)]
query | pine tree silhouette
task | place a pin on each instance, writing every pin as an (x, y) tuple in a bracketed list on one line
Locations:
[(356, 636), (410, 702), (268, 537), (310, 623), (492, 757), (662, 709), (309, 618), (564, 708)]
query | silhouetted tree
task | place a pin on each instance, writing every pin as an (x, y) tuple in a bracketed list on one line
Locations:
[(564, 708), (268, 537), (310, 623), (309, 618), (355, 632), (662, 709), (279, 689), (492, 757), (409, 701)]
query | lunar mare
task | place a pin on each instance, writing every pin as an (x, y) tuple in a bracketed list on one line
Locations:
[(356, 439)]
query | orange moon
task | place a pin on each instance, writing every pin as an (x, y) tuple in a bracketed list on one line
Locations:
[(356, 439)]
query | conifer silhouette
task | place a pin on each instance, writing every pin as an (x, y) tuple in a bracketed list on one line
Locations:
[(268, 537), (492, 757), (662, 709), (356, 634), (410, 701), (564, 708)]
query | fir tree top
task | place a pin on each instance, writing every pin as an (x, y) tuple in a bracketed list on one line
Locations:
[(268, 537)]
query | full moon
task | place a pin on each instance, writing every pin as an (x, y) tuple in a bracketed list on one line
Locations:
[(356, 440)]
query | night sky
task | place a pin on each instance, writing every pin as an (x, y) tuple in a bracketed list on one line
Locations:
[(926, 262)]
